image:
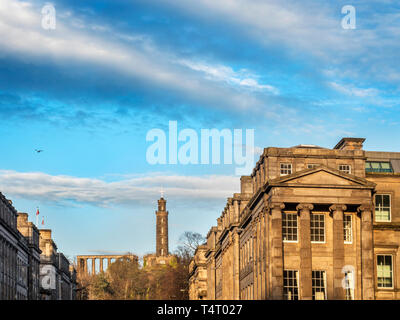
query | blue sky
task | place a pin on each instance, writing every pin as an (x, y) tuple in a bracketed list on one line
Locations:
[(90, 90)]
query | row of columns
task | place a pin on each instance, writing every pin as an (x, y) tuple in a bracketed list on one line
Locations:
[(305, 285), (85, 264)]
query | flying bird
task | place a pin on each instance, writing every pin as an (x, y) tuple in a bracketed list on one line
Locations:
[(38, 150)]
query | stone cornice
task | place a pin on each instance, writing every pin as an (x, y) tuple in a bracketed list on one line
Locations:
[(382, 174), (386, 226), (285, 180)]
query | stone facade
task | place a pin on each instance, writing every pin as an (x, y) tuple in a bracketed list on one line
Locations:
[(19, 254), (198, 275), (57, 274), (31, 233), (310, 223)]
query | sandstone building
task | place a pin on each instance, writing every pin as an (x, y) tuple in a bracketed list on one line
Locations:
[(198, 274), (57, 275), (309, 223), (25, 257), (31, 233)]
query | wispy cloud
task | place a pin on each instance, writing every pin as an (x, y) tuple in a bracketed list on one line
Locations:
[(241, 78), (313, 29), (21, 34), (40, 186), (350, 90)]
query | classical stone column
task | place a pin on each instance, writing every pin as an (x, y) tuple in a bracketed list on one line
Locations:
[(109, 262), (211, 276), (276, 254), (93, 266), (338, 250), (85, 266), (304, 235), (101, 265), (236, 253), (367, 253), (81, 265), (254, 239), (262, 250)]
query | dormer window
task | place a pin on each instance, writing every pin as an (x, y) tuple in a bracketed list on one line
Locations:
[(345, 168), (286, 168)]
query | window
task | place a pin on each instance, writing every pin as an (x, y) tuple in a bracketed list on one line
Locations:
[(378, 166), (384, 270), (317, 227), (347, 228), (289, 227), (382, 207), (291, 285), (349, 285), (311, 165), (318, 285), (345, 168), (286, 168)]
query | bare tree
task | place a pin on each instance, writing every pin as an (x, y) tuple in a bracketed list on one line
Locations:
[(189, 241)]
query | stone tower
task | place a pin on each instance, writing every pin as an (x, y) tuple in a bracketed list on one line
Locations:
[(162, 229)]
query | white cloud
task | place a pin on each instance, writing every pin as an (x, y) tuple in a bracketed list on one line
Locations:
[(350, 90), (299, 25), (21, 34), (242, 78), (40, 186), (313, 28)]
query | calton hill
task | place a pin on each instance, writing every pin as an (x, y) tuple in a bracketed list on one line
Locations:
[(127, 279)]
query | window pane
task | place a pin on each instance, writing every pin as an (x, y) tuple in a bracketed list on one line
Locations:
[(318, 285), (385, 165), (290, 285), (378, 200), (375, 165), (382, 207), (386, 200), (384, 271), (289, 226), (317, 227), (347, 226)]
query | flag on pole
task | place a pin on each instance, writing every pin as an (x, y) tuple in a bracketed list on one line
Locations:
[(42, 221), (37, 217)]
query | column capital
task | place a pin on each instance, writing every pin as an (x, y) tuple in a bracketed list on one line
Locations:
[(338, 207), (304, 206), (365, 207), (275, 205)]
